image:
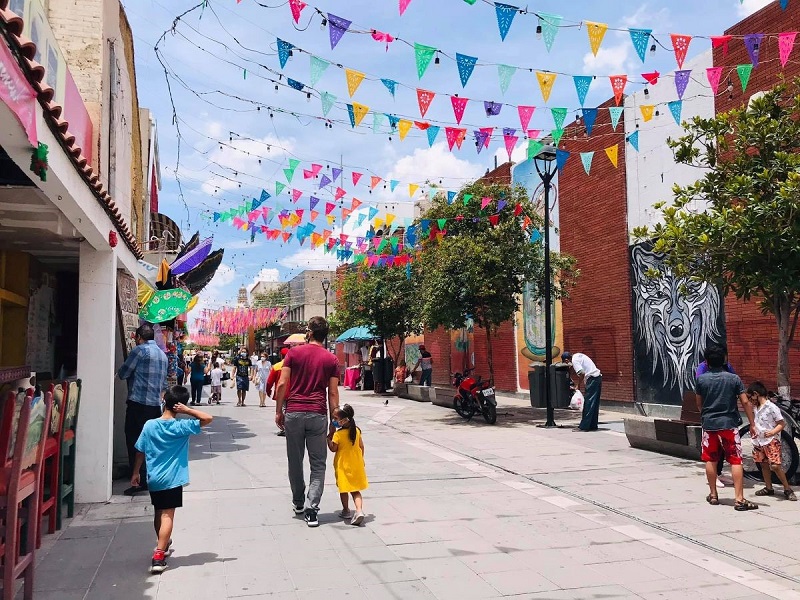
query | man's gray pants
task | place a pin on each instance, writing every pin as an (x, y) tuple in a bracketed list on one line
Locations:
[(306, 430)]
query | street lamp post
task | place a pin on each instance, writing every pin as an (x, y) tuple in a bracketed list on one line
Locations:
[(545, 166), (326, 285)]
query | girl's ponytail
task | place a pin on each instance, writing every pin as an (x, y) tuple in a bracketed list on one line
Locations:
[(348, 412)]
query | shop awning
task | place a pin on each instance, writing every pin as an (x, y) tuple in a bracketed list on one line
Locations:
[(357, 334)]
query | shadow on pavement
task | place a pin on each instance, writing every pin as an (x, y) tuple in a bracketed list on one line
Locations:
[(196, 560)]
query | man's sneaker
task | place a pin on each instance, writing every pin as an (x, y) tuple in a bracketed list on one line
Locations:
[(358, 519), (159, 564), (311, 518), (298, 510), (281, 433)]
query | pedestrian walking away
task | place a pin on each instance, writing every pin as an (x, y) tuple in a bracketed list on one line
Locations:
[(272, 381), (426, 362), (164, 446), (242, 365), (588, 373), (197, 378), (348, 463), (216, 383), (767, 450), (717, 395), (309, 373), (145, 369)]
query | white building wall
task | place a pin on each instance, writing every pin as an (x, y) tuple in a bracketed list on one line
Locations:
[(652, 171)]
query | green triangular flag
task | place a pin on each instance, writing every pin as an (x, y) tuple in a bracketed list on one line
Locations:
[(534, 148), (557, 135), (293, 163), (424, 54), (394, 241), (279, 187), (318, 67), (467, 198), (328, 100), (505, 73), (441, 223), (289, 174), (248, 205), (559, 114), (744, 72), (586, 159), (383, 245)]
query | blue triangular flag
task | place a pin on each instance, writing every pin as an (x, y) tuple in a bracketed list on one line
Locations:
[(284, 51), (216, 216), (675, 108), (640, 39), (361, 218), (616, 113), (295, 84), (432, 132), (634, 140), (505, 16), (589, 117), (390, 84), (451, 196), (393, 184), (352, 115), (784, 4), (582, 83), (393, 120), (586, 159), (372, 212), (561, 158), (466, 64), (265, 195)]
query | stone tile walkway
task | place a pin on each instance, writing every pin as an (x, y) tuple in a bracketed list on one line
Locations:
[(456, 510)]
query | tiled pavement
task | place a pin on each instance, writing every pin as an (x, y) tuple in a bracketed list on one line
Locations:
[(456, 510)]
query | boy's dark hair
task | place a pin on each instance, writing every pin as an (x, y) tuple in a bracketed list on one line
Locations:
[(177, 394), (146, 332), (757, 388), (348, 412), (715, 356), (318, 328)]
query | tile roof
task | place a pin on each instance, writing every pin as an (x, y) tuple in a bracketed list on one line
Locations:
[(26, 49)]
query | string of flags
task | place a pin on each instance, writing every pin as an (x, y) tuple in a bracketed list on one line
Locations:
[(234, 321)]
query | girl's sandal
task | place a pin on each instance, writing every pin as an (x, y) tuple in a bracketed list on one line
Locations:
[(744, 505), (712, 499), (789, 495), (766, 492)]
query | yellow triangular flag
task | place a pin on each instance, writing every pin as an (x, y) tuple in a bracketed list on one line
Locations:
[(331, 219), (389, 219), (647, 111), (613, 154), (597, 31), (546, 81), (403, 126), (412, 189), (354, 79), (359, 112), (376, 224)]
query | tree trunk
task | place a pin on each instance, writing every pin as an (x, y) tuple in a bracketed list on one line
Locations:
[(489, 353), (783, 314)]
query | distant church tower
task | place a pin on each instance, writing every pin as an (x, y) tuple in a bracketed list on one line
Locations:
[(242, 300)]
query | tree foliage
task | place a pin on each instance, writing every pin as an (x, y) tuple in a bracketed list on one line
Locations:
[(478, 269), (383, 297), (746, 238), (277, 297)]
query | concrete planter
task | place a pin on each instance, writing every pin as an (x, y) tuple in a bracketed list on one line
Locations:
[(645, 435)]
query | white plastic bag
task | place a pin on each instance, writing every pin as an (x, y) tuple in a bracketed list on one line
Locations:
[(408, 379), (576, 403)]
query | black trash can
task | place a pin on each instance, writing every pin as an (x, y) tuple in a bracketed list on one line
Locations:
[(379, 375), (559, 386)]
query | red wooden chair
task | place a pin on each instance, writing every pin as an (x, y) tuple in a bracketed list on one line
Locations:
[(19, 497), (51, 461), (66, 470)]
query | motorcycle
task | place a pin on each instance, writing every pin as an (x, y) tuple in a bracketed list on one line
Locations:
[(474, 395)]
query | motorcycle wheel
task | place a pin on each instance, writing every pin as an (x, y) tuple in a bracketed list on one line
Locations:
[(463, 408), (789, 456), (490, 414)]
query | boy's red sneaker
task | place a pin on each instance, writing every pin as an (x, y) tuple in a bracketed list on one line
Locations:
[(159, 563)]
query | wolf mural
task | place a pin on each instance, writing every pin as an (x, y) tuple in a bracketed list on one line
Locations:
[(674, 319)]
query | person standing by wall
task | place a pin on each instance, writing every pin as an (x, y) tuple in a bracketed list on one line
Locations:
[(196, 378), (587, 372), (426, 362), (309, 372), (145, 369)]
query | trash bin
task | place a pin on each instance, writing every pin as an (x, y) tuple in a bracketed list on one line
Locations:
[(559, 386), (379, 366)]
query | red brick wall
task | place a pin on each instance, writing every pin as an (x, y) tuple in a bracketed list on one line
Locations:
[(437, 342), (752, 336), (504, 354), (594, 229)]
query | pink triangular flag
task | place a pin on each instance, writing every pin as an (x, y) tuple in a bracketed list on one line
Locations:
[(714, 74), (315, 169), (525, 114), (785, 45), (533, 134), (487, 140), (452, 136), (297, 7), (459, 104), (339, 193), (511, 142), (307, 174), (356, 177), (403, 6), (296, 194), (485, 202)]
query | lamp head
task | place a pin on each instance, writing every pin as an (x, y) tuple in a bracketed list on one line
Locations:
[(326, 284), (547, 153)]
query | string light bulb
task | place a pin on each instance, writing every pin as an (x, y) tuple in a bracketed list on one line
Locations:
[(436, 60), (653, 49), (308, 96), (324, 23), (646, 92), (276, 88), (539, 31)]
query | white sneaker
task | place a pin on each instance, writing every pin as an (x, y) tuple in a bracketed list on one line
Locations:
[(344, 514), (720, 484), (358, 519)]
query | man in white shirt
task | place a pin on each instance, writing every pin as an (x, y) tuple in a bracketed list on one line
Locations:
[(586, 371)]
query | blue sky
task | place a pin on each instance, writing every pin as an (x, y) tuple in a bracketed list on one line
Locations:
[(216, 178)]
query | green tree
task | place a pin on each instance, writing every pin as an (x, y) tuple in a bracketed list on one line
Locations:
[(746, 240), (383, 297), (478, 269), (274, 298)]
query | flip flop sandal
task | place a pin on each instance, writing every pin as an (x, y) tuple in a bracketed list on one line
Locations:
[(712, 499), (789, 495), (745, 505), (766, 492)]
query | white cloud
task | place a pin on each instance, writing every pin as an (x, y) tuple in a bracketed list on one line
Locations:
[(609, 60), (264, 274), (434, 164), (748, 7), (309, 258)]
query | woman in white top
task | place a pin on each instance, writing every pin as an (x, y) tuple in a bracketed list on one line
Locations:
[(263, 367)]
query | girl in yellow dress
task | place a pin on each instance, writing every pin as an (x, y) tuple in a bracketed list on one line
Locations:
[(348, 462)]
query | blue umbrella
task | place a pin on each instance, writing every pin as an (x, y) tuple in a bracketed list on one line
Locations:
[(357, 334)]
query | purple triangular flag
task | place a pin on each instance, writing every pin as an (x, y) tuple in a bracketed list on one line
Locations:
[(480, 139), (501, 204), (337, 27), (324, 181), (336, 172), (509, 131), (753, 42), (313, 201), (681, 81), (492, 108)]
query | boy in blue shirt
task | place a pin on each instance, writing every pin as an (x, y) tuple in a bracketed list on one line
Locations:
[(164, 444)]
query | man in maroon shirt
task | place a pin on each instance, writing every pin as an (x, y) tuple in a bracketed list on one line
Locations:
[(308, 372)]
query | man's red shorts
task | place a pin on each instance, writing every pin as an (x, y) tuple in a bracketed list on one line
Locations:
[(725, 440)]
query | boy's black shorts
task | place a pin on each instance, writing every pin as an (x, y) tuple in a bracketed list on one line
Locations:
[(171, 498)]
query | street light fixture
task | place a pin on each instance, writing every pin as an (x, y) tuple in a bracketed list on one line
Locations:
[(326, 285), (546, 167)]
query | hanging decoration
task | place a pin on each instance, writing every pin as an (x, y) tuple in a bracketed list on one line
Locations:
[(39, 161), (721, 41), (505, 16), (680, 45), (596, 31), (284, 52), (297, 7), (354, 79), (466, 64), (785, 45), (390, 85), (589, 118), (403, 127), (618, 83), (714, 74), (403, 6), (633, 139), (675, 107), (613, 154), (640, 39), (647, 111), (525, 114), (504, 74), (423, 55), (317, 67), (586, 159), (753, 43), (559, 114), (337, 27), (744, 72), (328, 100), (681, 82), (546, 81), (459, 104)]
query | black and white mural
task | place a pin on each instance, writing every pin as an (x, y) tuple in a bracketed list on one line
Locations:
[(673, 321)]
